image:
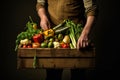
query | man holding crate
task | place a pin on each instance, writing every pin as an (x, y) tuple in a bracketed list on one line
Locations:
[(53, 12)]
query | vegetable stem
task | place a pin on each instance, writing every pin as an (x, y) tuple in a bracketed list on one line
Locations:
[(35, 61), (30, 19)]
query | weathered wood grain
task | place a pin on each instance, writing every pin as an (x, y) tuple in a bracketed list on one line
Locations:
[(55, 58)]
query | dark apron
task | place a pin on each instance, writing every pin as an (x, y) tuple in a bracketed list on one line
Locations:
[(60, 10)]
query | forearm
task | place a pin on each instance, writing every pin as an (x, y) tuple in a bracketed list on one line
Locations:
[(40, 8), (89, 23), (90, 10), (42, 13)]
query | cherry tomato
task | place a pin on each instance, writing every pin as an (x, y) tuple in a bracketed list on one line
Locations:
[(24, 46), (29, 46)]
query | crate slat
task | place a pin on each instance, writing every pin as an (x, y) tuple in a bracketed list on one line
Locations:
[(58, 63), (51, 52), (55, 58)]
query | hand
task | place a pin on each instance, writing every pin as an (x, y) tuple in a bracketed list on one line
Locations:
[(44, 23), (83, 40)]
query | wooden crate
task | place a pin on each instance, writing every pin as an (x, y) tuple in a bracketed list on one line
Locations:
[(55, 58)]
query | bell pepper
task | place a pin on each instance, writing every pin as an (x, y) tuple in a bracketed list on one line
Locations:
[(48, 33), (38, 38), (65, 45)]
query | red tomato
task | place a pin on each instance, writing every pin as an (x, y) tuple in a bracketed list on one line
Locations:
[(29, 46), (24, 46)]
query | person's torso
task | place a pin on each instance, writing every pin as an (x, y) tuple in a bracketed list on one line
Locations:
[(65, 9)]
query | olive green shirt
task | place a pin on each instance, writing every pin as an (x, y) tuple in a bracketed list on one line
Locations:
[(75, 10)]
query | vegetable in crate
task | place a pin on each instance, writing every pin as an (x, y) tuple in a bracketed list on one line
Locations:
[(74, 32), (60, 37), (43, 45), (35, 45), (34, 26), (50, 44), (56, 44), (24, 46), (56, 30), (51, 39), (48, 33), (66, 39), (38, 38), (64, 45), (29, 46), (30, 31), (24, 41)]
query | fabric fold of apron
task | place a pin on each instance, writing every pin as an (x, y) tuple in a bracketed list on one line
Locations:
[(60, 10)]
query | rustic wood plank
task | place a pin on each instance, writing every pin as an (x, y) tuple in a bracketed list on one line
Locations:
[(68, 63), (55, 58), (51, 52)]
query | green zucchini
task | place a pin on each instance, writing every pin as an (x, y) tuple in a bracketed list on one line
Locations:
[(61, 30), (59, 25)]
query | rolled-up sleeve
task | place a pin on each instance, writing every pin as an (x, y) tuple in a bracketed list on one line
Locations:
[(40, 4), (90, 7)]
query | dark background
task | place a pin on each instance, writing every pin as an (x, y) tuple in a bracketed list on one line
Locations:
[(107, 42), (14, 15)]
